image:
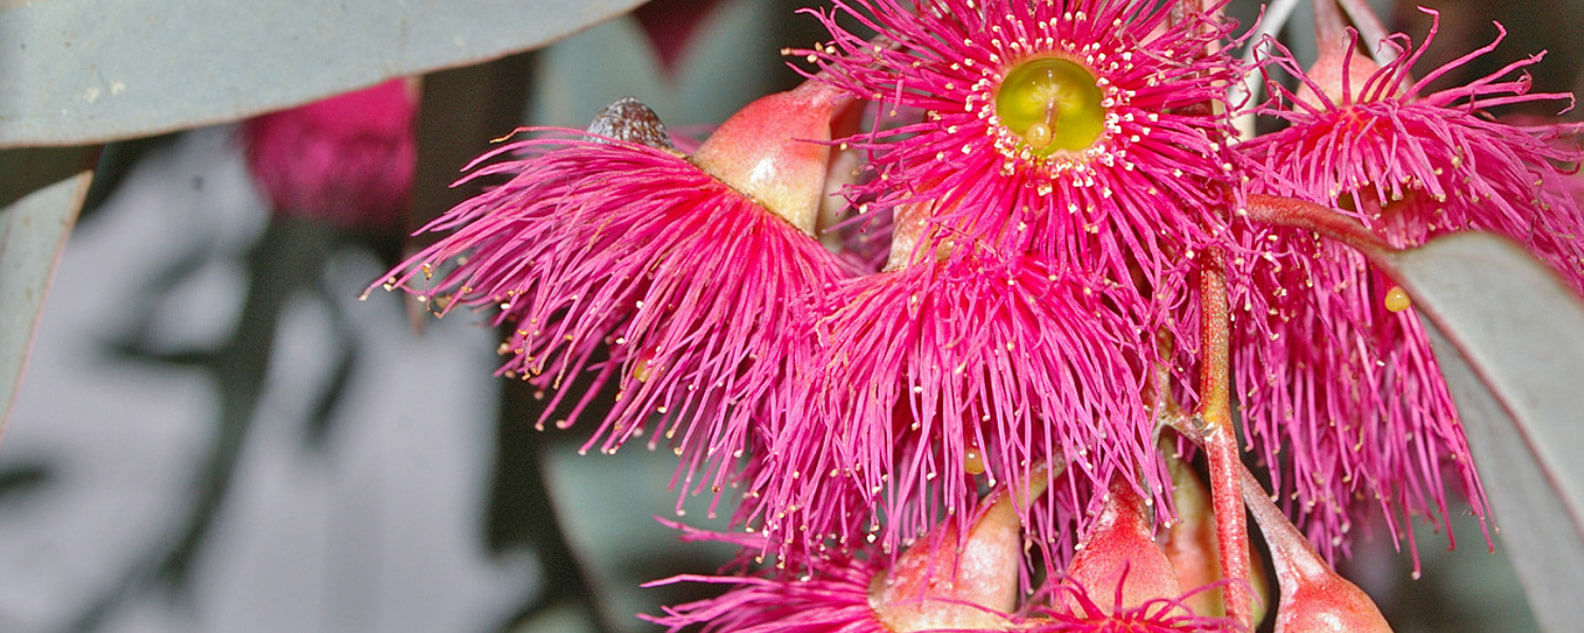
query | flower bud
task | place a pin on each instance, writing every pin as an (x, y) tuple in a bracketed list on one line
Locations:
[(913, 230), (1341, 78), (776, 150), (1314, 598), (347, 160), (1118, 564), (948, 582), (1341, 72), (1192, 548)]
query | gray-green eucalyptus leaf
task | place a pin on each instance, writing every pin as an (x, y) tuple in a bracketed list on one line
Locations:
[(42, 192), (80, 71), (1509, 335)]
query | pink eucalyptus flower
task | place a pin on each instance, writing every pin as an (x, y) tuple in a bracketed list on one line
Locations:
[(347, 159), (1339, 387), (933, 379), (833, 598), (959, 577), (1087, 613), (1091, 125), (1157, 616), (648, 273)]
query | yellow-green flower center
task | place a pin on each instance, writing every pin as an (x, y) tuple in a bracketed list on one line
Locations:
[(1052, 104)]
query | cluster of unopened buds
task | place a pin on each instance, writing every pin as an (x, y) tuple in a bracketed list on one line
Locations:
[(957, 324)]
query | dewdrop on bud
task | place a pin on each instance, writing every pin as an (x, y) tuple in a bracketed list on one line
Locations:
[(775, 151)]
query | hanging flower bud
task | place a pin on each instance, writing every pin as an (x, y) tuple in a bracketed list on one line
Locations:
[(947, 581), (1118, 558), (1191, 546), (776, 150), (1341, 72), (1191, 540), (1314, 598), (1121, 580), (915, 238)]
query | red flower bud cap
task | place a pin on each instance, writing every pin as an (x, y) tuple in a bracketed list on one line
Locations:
[(1314, 598), (1340, 74), (776, 151), (1119, 557), (947, 582), (1340, 78)]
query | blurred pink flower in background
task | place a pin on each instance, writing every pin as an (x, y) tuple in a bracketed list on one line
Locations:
[(347, 160)]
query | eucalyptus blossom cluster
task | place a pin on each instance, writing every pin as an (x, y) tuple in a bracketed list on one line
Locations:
[(948, 324)]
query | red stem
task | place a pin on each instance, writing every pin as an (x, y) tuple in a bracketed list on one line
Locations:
[(1308, 216), (1219, 439)]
